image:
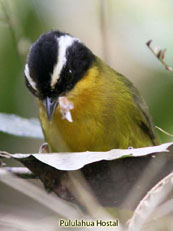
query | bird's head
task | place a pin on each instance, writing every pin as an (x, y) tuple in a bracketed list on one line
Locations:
[(55, 63)]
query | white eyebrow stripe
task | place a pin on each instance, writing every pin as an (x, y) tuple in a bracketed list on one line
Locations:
[(30, 80), (63, 43)]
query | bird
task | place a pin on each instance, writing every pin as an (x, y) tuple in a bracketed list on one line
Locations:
[(84, 104)]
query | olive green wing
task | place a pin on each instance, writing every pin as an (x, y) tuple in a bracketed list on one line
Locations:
[(145, 122)]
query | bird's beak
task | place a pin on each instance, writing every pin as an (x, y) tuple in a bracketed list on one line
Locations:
[(50, 105)]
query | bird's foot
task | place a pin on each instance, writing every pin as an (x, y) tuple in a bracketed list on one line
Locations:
[(44, 148)]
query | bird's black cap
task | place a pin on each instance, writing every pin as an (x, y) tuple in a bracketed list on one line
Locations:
[(55, 63)]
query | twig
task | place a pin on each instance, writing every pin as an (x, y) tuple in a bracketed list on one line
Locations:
[(166, 133), (4, 154), (18, 171), (21, 172), (160, 54)]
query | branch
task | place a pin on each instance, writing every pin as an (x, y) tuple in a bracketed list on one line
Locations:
[(5, 155), (160, 54), (20, 171), (100, 171)]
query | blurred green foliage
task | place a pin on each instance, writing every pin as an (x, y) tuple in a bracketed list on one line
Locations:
[(21, 27), (127, 29), (117, 33)]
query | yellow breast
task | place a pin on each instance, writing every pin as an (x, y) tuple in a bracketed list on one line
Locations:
[(104, 116)]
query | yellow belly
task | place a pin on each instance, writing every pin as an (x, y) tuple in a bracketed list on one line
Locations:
[(84, 133)]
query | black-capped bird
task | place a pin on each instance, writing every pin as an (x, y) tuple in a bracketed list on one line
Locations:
[(102, 109)]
